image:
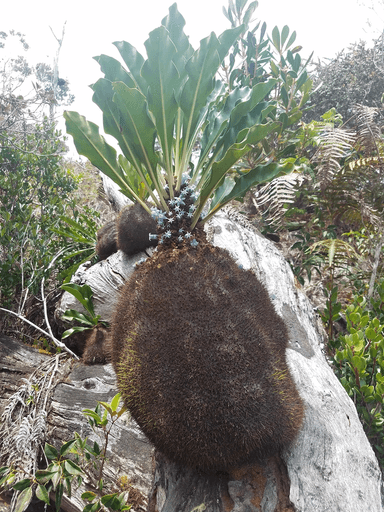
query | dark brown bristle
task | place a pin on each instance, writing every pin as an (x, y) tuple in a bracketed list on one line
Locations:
[(133, 227), (199, 353), (106, 240), (97, 346)]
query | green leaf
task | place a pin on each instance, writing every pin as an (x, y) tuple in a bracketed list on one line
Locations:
[(58, 496), (276, 38), (92, 507), (175, 23), (57, 476), (73, 330), (260, 174), (359, 363), (92, 414), (66, 448), (115, 402), (72, 468), (137, 128), (71, 315), (88, 496), (163, 80), (91, 144), (43, 476), (114, 71), (134, 61), (111, 501), (23, 500), (50, 452), (107, 407), (22, 484), (42, 494), (235, 152), (292, 39), (82, 293), (369, 332), (284, 35)]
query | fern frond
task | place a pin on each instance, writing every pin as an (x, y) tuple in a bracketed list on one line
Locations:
[(368, 132), (340, 253), (39, 427), (335, 144), (23, 438), (370, 161), (276, 194)]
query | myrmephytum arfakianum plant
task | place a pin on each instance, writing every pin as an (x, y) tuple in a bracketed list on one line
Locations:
[(197, 346), (175, 121)]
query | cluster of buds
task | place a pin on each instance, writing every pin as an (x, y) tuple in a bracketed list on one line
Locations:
[(174, 226)]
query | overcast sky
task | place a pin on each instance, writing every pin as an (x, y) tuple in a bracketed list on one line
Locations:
[(325, 27)]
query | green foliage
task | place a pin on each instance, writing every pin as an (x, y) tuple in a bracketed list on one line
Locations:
[(306, 260), (68, 466), (84, 295), (162, 109), (358, 358), (36, 201), (81, 229), (33, 191), (355, 75)]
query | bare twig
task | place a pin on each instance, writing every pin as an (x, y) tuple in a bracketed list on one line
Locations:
[(55, 341)]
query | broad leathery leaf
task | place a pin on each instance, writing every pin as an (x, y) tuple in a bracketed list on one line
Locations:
[(201, 69), (133, 178), (43, 476), (245, 138), (241, 184), (218, 119), (138, 130), (92, 145), (221, 192), (88, 495), (111, 501), (227, 39), (103, 97), (175, 23), (113, 70), (113, 125), (257, 94), (301, 80), (23, 500), (251, 118), (163, 79), (134, 62)]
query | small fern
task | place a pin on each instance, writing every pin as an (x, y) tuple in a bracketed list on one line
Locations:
[(368, 132), (276, 194), (335, 145)]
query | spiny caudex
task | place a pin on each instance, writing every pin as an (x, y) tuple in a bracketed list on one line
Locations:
[(198, 348)]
